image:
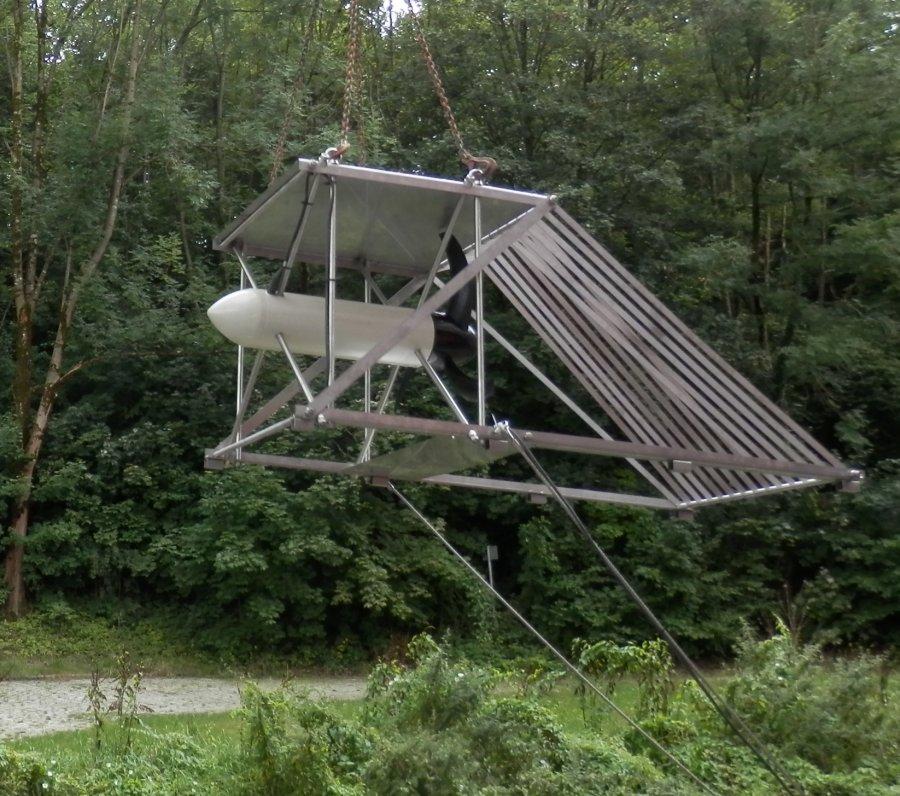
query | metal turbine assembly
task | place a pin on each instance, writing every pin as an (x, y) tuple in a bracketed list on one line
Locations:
[(253, 318), (695, 430)]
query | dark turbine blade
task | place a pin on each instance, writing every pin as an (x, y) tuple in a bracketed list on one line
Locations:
[(465, 385), (459, 308)]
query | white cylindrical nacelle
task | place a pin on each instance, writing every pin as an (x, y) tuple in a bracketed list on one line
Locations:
[(252, 318)]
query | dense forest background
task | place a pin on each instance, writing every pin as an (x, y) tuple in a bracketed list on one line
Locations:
[(741, 156)]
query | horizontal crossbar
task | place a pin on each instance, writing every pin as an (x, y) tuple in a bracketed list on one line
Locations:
[(469, 482), (577, 444)]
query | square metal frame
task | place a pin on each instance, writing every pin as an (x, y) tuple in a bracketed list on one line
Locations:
[(495, 246)]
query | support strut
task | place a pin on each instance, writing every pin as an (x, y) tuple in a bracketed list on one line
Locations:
[(570, 667), (731, 718)]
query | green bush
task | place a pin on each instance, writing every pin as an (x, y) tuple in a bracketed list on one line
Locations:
[(23, 774), (291, 745), (837, 715), (439, 726)]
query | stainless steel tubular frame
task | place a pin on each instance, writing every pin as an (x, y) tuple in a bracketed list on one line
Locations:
[(245, 270), (369, 436), (442, 249), (282, 398), (279, 281), (331, 284), (442, 389), (372, 286), (571, 443), (367, 376), (240, 377), (349, 376), (345, 171), (298, 374), (256, 436), (559, 393), (479, 321), (246, 395), (528, 489)]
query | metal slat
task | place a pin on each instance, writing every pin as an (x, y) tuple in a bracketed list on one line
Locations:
[(528, 303), (738, 421), (573, 330), (691, 364), (678, 423), (641, 362), (742, 385), (532, 310), (574, 407), (638, 427), (677, 346)]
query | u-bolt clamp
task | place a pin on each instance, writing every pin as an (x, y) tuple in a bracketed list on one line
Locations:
[(474, 177)]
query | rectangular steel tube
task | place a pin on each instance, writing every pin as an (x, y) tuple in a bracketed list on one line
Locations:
[(443, 389), (442, 249), (279, 281), (463, 481), (330, 285), (422, 181), (576, 444), (479, 322)]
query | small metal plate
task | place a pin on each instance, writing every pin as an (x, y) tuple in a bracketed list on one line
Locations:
[(387, 220), (436, 456)]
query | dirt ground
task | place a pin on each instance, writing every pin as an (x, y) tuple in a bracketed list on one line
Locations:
[(35, 707)]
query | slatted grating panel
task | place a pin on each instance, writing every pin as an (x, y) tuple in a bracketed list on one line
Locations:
[(651, 375)]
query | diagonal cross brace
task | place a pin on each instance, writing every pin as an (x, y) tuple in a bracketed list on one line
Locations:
[(353, 373)]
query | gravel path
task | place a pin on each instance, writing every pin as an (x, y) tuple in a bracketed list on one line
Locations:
[(35, 707)]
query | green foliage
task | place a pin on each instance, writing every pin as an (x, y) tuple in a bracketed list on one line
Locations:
[(22, 774), (739, 157), (839, 719), (437, 725), (649, 663), (444, 730), (60, 638), (292, 746)]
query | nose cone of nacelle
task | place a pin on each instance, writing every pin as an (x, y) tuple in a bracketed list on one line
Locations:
[(238, 315)]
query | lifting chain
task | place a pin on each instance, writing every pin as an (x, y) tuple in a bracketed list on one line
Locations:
[(352, 79), (296, 87), (487, 166), (481, 167)]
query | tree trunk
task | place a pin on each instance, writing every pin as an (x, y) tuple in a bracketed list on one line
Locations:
[(34, 428), (15, 556), (15, 596)]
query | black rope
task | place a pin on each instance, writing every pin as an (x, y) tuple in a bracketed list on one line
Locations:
[(571, 667), (737, 725)]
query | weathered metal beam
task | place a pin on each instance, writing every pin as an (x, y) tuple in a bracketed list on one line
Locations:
[(343, 171), (466, 482), (576, 444)]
